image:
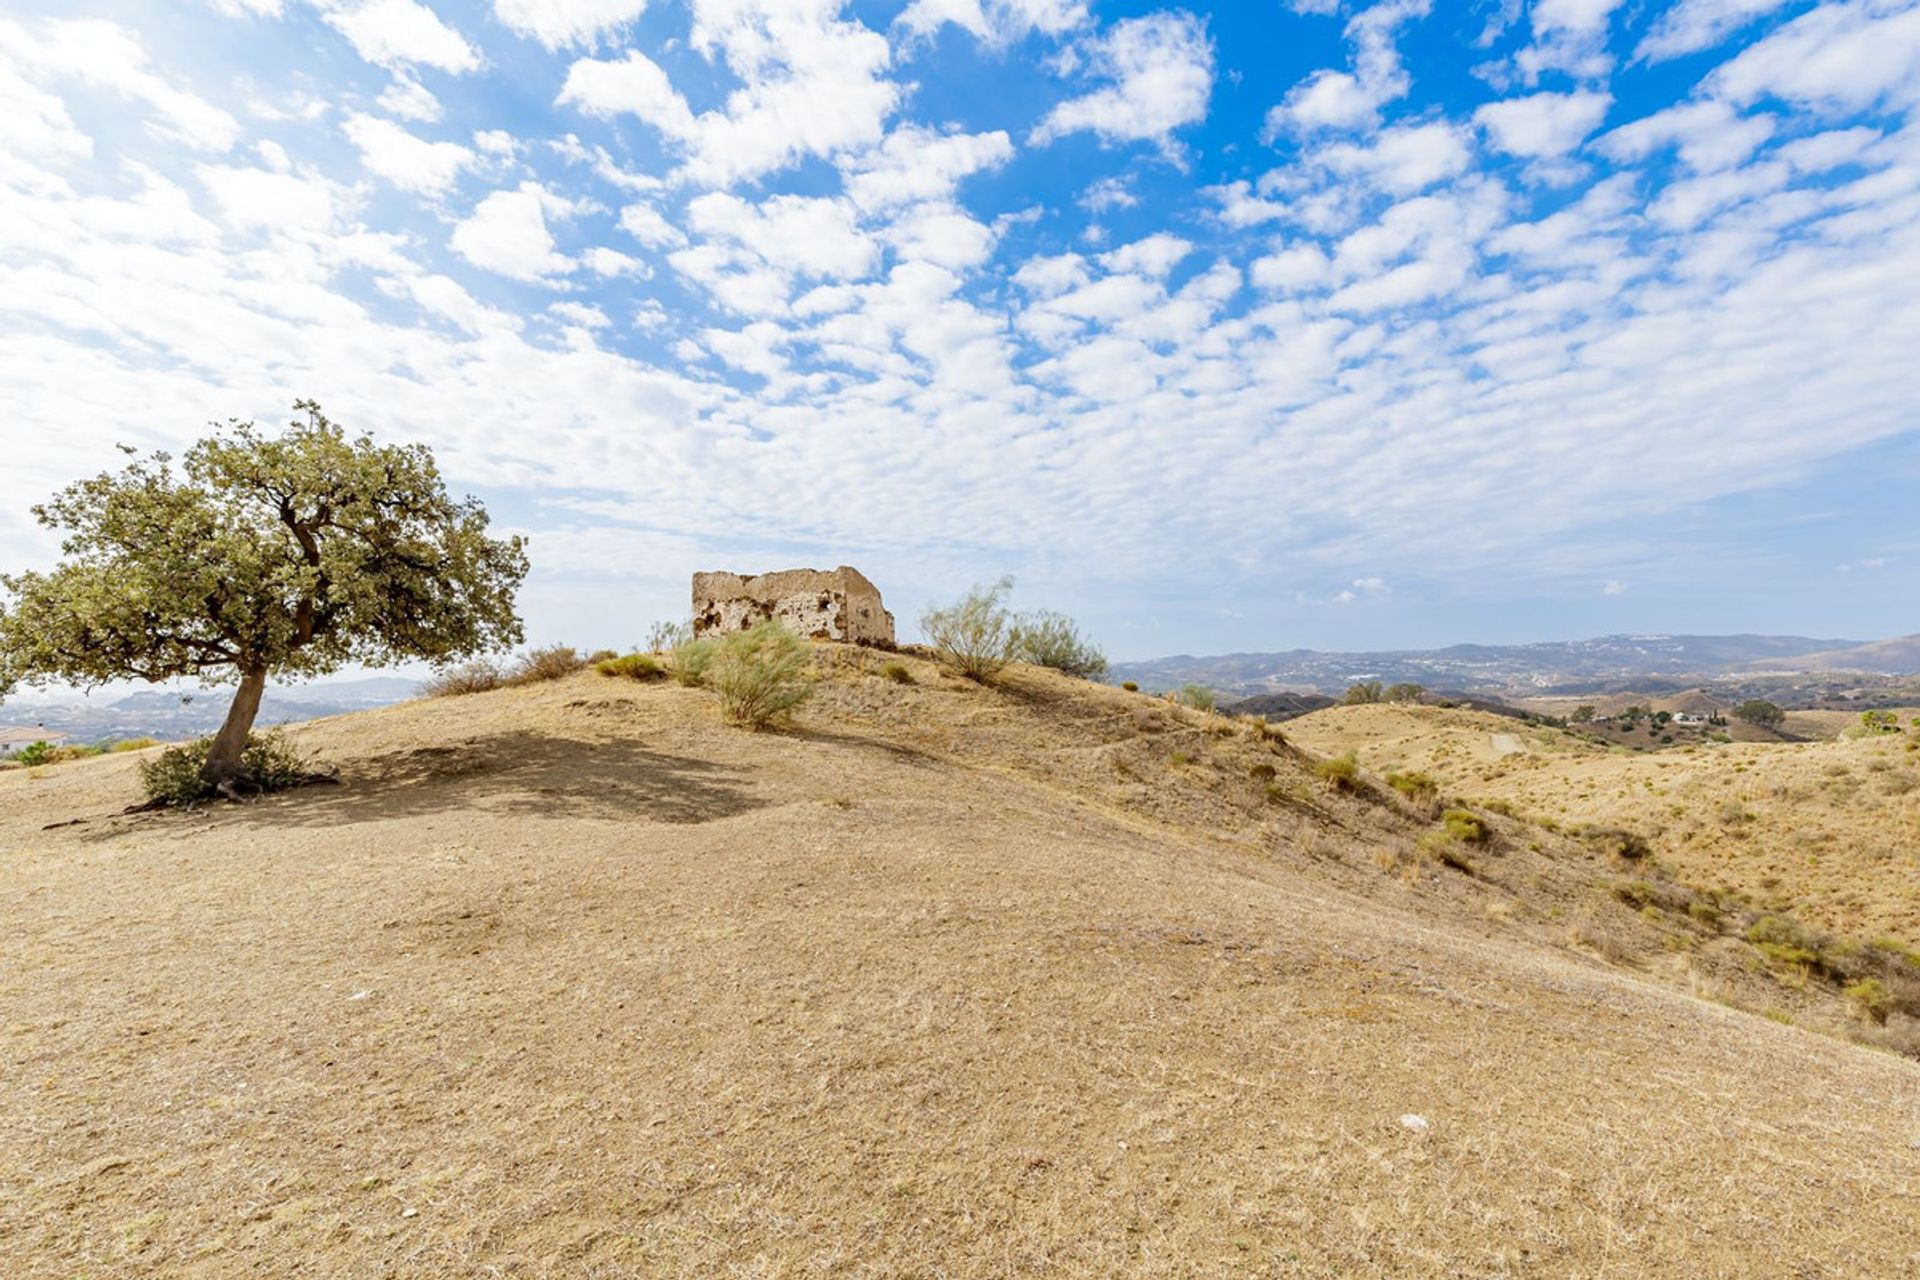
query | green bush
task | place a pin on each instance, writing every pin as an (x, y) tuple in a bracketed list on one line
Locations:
[(35, 754), (634, 666), (1783, 940), (1048, 639), (1465, 826), (478, 676), (133, 744), (1445, 848), (1130, 686), (897, 672), (1414, 785), (687, 663), (270, 763), (1341, 772), (1871, 998), (1197, 696), (761, 674), (975, 635)]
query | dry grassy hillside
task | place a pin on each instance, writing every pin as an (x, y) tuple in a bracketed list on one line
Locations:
[(1044, 979), (1829, 830)]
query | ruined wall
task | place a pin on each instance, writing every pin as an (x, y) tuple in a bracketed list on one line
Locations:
[(822, 605)]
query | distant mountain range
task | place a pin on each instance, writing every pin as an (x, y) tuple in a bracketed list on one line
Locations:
[(1569, 666), (172, 715)]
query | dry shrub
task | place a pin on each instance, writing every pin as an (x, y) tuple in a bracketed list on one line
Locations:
[(687, 663), (1601, 939), (537, 666), (975, 635), (478, 676), (897, 672), (1049, 639)]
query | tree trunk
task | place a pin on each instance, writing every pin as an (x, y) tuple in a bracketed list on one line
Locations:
[(230, 744)]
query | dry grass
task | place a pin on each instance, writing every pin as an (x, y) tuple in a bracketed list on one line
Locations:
[(1829, 829), (571, 980)]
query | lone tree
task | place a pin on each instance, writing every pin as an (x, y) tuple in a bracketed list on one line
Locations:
[(291, 555), (1761, 712)]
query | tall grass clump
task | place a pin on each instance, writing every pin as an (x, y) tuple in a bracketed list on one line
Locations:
[(1341, 772), (761, 674), (975, 635), (537, 666), (633, 666), (687, 661), (665, 637)]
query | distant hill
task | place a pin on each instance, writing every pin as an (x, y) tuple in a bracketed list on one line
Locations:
[(1899, 656), (1641, 661), (171, 714)]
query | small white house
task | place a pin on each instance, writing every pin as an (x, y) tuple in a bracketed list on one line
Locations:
[(1689, 718), (15, 739)]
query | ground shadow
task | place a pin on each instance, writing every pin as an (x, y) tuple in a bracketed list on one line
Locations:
[(526, 774)]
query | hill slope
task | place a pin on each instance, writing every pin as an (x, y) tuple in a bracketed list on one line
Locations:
[(1047, 979)]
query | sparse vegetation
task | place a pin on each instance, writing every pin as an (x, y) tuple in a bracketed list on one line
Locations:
[(538, 666), (897, 672), (1759, 711), (760, 674), (1365, 692), (665, 637), (1465, 826), (1196, 696)]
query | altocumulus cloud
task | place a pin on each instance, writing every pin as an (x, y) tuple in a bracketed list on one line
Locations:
[(997, 284)]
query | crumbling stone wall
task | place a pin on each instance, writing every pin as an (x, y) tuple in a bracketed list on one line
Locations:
[(837, 605)]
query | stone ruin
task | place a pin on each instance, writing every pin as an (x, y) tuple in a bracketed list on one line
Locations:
[(838, 605)]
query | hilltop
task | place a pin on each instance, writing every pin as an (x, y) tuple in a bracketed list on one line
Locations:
[(1041, 978)]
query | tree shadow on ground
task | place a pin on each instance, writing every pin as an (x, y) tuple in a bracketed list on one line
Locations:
[(513, 774)]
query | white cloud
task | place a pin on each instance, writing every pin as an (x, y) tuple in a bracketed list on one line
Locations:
[(410, 163), (507, 234), (1545, 125), (647, 225), (410, 100), (995, 21), (1240, 207), (1333, 99), (579, 314), (1108, 193), (811, 85), (603, 261), (1161, 66), (1710, 135), (106, 56), (1834, 57), (558, 23), (917, 163), (1154, 256), (1693, 25), (399, 33), (1405, 159)]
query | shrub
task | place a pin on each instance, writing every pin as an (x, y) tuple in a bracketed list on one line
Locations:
[(269, 763), (1464, 825), (1365, 692), (975, 635), (634, 666), (1179, 759), (687, 663), (1130, 686), (761, 674), (1262, 773), (1341, 772), (897, 672), (478, 676), (1444, 847), (35, 754), (1048, 639), (1414, 785), (133, 744), (1783, 940), (1871, 998), (1197, 696), (1619, 845), (536, 666)]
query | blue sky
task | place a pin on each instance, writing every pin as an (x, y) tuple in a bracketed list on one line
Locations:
[(1227, 327)]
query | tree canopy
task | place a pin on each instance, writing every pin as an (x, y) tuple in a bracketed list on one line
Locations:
[(294, 554), (1761, 712)]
